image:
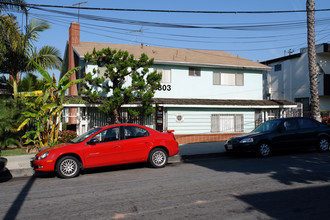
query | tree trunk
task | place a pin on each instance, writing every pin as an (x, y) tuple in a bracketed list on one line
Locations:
[(58, 125), (315, 102), (116, 114)]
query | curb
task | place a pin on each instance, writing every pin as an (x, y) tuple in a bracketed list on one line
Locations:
[(24, 172)]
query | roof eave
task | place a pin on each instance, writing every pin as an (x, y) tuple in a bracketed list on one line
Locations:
[(176, 63), (211, 65), (195, 106)]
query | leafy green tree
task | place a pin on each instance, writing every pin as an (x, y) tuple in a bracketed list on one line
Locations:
[(10, 118), (31, 83), (45, 110), (116, 87)]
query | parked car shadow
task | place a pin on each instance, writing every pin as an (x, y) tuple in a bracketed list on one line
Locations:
[(301, 203), (285, 167), (113, 168)]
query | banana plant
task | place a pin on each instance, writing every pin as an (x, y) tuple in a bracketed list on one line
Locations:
[(45, 110)]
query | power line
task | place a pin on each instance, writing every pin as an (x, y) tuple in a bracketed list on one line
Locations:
[(236, 40), (253, 27), (163, 11), (181, 40), (274, 26), (41, 16)]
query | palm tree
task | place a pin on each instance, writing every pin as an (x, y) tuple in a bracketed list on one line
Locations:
[(315, 102), (18, 52), (17, 5), (9, 33)]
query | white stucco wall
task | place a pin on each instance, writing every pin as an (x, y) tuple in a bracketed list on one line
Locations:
[(293, 80), (201, 87)]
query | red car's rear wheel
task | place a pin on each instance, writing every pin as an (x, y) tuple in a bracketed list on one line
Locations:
[(158, 158)]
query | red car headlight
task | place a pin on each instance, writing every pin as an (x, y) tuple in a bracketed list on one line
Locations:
[(43, 156)]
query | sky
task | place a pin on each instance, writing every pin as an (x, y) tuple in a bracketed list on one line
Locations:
[(254, 36)]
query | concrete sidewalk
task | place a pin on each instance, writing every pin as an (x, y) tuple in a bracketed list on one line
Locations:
[(19, 166)]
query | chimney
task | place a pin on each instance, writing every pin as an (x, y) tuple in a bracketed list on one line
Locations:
[(74, 39)]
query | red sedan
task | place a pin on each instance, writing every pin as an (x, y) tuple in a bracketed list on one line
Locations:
[(105, 146)]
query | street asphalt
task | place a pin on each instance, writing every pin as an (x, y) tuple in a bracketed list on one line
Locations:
[(19, 166)]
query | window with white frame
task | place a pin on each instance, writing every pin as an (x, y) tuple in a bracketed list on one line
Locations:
[(227, 123), (228, 79), (194, 71), (166, 75)]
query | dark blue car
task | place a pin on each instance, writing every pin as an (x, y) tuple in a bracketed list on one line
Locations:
[(282, 134)]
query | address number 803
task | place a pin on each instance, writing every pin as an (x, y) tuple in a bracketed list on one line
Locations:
[(164, 88)]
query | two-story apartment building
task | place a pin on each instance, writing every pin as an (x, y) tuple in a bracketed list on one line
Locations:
[(289, 78), (205, 95)]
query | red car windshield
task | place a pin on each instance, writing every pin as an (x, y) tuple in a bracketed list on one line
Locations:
[(84, 136)]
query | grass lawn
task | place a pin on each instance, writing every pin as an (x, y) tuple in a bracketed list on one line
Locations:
[(14, 152)]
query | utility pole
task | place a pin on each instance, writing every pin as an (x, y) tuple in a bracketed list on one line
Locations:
[(80, 3), (312, 67)]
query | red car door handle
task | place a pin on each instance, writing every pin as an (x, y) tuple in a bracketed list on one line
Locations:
[(117, 146)]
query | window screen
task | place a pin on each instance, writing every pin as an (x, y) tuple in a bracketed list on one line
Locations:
[(226, 123), (228, 79), (166, 75)]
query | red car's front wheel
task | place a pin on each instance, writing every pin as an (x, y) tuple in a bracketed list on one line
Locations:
[(67, 167)]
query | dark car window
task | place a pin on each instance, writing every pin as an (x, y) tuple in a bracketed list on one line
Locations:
[(305, 123), (290, 125), (111, 134), (134, 132), (268, 126)]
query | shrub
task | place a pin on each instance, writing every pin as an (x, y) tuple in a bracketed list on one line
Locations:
[(66, 136)]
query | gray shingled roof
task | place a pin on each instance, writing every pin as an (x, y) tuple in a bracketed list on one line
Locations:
[(164, 55)]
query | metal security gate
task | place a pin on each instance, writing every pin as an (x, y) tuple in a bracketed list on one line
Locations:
[(263, 115), (91, 117)]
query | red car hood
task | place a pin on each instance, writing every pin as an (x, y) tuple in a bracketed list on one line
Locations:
[(55, 147)]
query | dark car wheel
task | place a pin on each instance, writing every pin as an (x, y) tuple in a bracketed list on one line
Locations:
[(157, 158), (67, 167), (264, 149), (323, 144)]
